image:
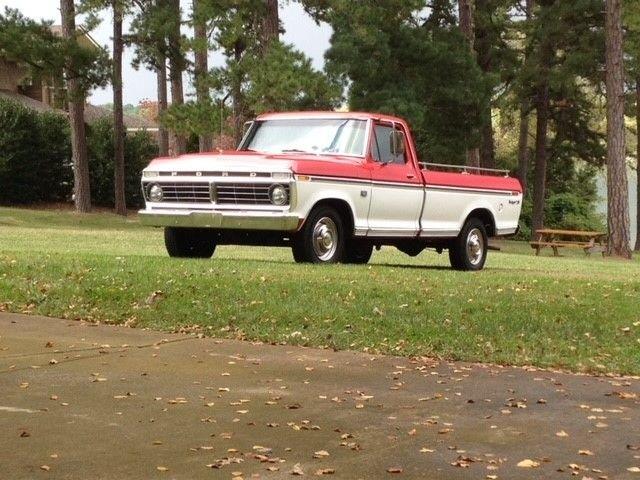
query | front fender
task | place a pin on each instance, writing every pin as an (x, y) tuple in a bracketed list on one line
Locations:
[(356, 196)]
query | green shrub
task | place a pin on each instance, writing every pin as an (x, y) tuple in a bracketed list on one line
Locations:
[(139, 148), (35, 155)]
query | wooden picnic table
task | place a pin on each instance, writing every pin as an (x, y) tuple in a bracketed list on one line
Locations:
[(590, 242)]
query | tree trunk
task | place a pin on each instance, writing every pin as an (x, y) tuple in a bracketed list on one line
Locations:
[(540, 179), (523, 138), (161, 78), (637, 246), (523, 146), (76, 97), (270, 24), (118, 121), (238, 100), (488, 147), (176, 67), (201, 69), (483, 47), (465, 11), (617, 186)]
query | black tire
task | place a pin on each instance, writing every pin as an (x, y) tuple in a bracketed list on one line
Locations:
[(468, 252), (322, 238), (358, 252), (189, 242)]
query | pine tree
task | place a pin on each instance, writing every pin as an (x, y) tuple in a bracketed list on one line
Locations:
[(466, 14), (617, 186), (632, 47), (564, 56), (120, 201), (399, 57), (148, 34), (76, 99), (270, 24), (523, 135), (201, 69)]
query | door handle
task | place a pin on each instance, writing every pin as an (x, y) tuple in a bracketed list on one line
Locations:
[(410, 175)]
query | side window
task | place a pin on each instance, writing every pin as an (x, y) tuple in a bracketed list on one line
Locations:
[(382, 149)]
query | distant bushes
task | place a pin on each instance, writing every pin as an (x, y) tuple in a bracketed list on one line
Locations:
[(139, 148), (35, 158), (566, 211), (35, 155)]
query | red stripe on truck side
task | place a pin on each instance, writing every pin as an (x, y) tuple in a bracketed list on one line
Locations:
[(471, 181)]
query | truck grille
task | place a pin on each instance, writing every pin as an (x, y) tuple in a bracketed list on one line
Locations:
[(184, 192), (243, 193)]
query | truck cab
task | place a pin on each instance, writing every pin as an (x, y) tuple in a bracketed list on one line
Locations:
[(332, 187)]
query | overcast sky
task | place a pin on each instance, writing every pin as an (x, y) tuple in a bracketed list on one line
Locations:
[(301, 31)]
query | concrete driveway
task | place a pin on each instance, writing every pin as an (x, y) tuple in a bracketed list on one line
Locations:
[(97, 402)]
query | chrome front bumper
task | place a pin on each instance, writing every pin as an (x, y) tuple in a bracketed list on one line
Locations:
[(222, 220)]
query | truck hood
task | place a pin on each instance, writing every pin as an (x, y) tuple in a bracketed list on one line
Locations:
[(234, 161), (223, 161)]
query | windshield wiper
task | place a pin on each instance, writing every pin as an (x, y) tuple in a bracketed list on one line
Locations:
[(334, 142), (294, 150)]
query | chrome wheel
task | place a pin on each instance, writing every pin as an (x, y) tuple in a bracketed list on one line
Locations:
[(325, 239), (475, 246)]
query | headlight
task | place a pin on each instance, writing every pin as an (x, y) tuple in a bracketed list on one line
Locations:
[(147, 174), (279, 195), (155, 193)]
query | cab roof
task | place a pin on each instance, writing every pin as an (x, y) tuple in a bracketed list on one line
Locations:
[(330, 114)]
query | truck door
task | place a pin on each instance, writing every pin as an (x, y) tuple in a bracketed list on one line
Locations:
[(397, 192)]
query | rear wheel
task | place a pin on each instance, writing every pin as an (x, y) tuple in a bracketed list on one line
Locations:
[(358, 252), (322, 239), (468, 251), (189, 242)]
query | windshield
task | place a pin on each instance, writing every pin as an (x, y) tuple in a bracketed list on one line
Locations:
[(316, 136)]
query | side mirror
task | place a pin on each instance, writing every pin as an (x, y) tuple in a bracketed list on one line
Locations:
[(397, 143)]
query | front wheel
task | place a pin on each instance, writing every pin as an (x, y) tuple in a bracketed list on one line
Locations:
[(322, 239), (468, 252), (189, 242)]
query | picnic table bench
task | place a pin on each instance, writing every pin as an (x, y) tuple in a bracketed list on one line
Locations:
[(590, 242)]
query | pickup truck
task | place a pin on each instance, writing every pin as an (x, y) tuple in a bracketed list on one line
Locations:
[(332, 187)]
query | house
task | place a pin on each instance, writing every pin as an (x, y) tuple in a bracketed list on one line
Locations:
[(48, 93)]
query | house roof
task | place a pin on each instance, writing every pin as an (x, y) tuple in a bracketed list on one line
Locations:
[(29, 102), (85, 39), (92, 113)]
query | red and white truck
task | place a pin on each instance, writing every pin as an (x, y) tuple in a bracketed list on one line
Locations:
[(332, 186)]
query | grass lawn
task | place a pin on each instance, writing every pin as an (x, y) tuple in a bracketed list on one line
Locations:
[(572, 312)]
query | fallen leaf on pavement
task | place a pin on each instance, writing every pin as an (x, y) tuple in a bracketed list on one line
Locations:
[(528, 464), (325, 471)]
